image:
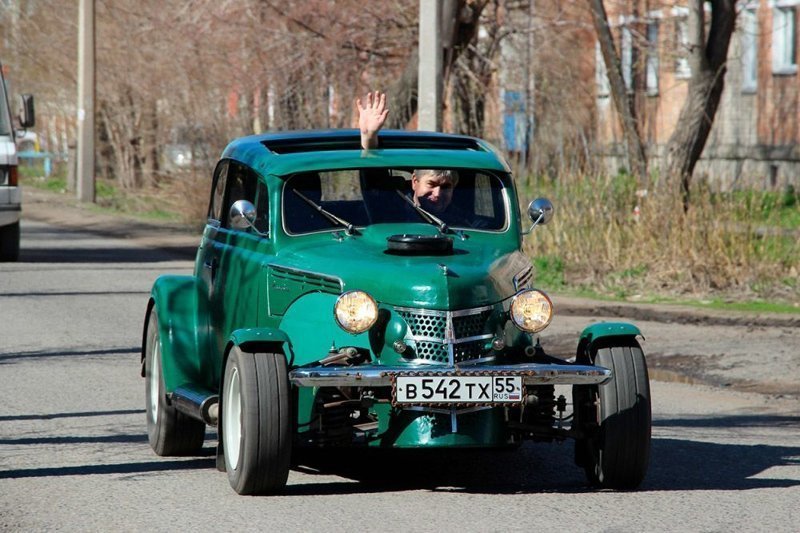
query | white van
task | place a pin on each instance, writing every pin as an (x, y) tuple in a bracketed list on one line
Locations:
[(10, 193)]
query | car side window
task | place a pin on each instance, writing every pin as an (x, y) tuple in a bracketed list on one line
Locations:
[(218, 192), (241, 184)]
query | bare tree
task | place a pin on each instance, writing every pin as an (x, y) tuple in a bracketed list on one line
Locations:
[(462, 19), (707, 58), (637, 159)]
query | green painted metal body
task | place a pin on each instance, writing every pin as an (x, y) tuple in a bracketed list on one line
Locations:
[(277, 292), (603, 330)]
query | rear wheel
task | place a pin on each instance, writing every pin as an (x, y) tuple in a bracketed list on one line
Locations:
[(256, 422), (9, 242), (617, 454), (169, 431)]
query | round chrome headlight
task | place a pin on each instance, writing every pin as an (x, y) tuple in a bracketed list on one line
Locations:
[(355, 311), (531, 310)]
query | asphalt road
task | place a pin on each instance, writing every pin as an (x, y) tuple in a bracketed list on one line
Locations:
[(74, 454)]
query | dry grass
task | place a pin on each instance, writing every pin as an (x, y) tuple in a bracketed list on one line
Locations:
[(180, 198), (719, 248)]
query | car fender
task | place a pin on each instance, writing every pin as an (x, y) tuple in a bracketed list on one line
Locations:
[(261, 340), (182, 307), (603, 330), (312, 330)]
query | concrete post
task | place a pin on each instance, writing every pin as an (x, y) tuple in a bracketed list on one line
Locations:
[(86, 91), (429, 97)]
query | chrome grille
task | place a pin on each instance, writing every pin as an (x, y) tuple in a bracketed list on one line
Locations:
[(447, 337), (470, 325), (425, 324), (469, 351), (431, 352)]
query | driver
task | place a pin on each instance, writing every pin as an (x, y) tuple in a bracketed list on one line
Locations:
[(432, 189)]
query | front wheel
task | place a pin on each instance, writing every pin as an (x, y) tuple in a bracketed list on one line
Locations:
[(256, 422), (169, 431), (617, 454)]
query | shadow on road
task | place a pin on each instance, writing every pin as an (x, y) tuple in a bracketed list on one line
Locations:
[(78, 414), (675, 465), (106, 255), (118, 468), (88, 439), (691, 465), (37, 245), (43, 354)]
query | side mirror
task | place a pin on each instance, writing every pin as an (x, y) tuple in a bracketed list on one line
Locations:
[(243, 215), (27, 114), (540, 211)]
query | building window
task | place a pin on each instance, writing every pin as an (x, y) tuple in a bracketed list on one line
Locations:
[(600, 72), (784, 58), (749, 44), (627, 57), (682, 68), (651, 67)]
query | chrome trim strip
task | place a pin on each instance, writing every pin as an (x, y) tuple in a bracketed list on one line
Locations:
[(443, 340), (423, 362), (472, 311), (381, 376), (420, 311), (470, 362), (448, 411), (437, 312), (474, 338), (426, 338), (522, 278)]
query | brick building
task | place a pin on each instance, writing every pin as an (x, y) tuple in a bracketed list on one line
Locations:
[(755, 139)]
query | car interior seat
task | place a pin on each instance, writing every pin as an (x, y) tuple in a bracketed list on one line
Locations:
[(379, 188), (298, 215)]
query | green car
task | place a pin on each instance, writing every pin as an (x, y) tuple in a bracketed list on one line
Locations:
[(331, 305)]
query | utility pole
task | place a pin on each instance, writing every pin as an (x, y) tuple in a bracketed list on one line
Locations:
[(86, 92), (530, 88), (429, 97)]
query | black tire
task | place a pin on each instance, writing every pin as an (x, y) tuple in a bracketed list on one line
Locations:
[(256, 422), (616, 455), (9, 242), (169, 431)]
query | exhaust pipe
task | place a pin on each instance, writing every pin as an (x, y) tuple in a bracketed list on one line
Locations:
[(196, 403)]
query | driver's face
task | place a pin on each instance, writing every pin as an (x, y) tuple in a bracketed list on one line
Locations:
[(432, 192)]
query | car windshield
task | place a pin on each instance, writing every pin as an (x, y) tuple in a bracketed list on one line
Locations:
[(462, 199)]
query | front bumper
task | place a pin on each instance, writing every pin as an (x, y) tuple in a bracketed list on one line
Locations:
[(381, 376)]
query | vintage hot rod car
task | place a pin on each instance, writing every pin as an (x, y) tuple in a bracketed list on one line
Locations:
[(327, 308)]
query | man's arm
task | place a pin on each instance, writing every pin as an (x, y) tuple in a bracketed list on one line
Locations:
[(371, 117)]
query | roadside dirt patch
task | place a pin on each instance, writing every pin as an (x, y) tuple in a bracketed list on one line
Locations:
[(729, 350)]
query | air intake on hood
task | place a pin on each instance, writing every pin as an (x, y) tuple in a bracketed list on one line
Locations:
[(405, 244)]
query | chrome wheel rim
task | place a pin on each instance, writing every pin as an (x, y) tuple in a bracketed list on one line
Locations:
[(232, 420)]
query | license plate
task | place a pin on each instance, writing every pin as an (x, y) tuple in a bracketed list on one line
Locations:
[(457, 389)]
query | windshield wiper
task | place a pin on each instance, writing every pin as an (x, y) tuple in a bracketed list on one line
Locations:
[(333, 219), (427, 215)]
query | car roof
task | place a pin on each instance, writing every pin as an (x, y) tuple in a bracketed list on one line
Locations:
[(285, 153)]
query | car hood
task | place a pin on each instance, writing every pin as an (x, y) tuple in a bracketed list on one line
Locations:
[(481, 270)]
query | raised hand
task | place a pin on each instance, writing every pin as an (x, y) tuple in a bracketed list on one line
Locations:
[(371, 117)]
